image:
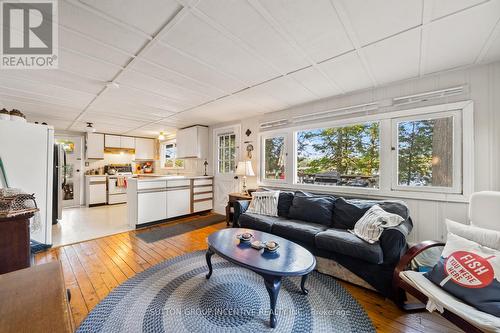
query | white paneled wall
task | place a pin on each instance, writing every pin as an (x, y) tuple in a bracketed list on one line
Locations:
[(483, 84)]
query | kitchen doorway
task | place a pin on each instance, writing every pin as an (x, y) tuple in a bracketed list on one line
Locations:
[(72, 169)]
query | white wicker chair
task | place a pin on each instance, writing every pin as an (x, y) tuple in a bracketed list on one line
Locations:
[(484, 212)]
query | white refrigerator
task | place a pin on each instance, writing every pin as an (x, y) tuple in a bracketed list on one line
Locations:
[(27, 152)]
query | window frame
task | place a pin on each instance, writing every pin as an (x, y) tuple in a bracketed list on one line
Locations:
[(384, 116), (456, 188), (263, 139), (163, 159), (217, 153)]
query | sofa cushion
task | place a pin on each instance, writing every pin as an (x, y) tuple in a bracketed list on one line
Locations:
[(348, 211), (299, 231), (284, 203), (343, 242), (312, 209), (257, 221)]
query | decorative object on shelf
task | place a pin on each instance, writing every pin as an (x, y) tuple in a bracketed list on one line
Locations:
[(245, 237), (249, 149), (90, 128), (244, 169), (16, 115), (205, 164), (4, 114), (248, 132)]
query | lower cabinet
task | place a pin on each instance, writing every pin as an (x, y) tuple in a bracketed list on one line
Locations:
[(178, 202), (151, 206)]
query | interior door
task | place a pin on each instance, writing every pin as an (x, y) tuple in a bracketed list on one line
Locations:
[(72, 170), (226, 143)]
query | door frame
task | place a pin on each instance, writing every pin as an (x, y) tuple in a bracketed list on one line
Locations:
[(80, 139)]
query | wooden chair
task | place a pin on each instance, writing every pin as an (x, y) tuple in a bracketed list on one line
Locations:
[(484, 210)]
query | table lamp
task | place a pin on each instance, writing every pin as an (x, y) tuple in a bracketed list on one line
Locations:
[(244, 169)]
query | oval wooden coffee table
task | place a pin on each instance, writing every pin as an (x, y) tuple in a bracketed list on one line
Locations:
[(289, 260)]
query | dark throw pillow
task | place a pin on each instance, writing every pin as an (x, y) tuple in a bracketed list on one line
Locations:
[(347, 212), (312, 209), (284, 203)]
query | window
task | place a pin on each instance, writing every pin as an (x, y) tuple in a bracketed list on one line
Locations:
[(226, 156), (339, 156), (426, 152), (168, 156), (274, 157)]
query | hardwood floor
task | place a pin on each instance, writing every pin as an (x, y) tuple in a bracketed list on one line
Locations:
[(93, 268)]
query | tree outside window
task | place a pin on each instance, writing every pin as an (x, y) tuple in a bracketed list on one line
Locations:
[(339, 156), (425, 152), (274, 157)]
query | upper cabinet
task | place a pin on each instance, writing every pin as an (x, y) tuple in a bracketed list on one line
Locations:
[(95, 146), (118, 141), (144, 149), (192, 142)]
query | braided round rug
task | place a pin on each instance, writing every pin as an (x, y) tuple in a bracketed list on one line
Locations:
[(175, 296)]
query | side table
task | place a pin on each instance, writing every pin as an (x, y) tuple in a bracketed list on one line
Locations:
[(233, 197)]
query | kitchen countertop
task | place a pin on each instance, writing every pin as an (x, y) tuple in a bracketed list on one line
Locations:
[(149, 178)]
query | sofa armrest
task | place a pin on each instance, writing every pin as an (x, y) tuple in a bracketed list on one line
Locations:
[(240, 207), (393, 241)]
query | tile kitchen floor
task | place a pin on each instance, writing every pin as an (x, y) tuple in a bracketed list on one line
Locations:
[(82, 223)]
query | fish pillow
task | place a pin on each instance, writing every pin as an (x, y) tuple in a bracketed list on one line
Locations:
[(470, 272)]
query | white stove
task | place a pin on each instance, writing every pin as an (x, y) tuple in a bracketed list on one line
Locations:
[(117, 183)]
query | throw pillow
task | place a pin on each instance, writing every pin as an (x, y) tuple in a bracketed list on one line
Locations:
[(485, 237), (348, 212), (371, 225), (312, 209), (469, 271), (264, 203), (284, 203)]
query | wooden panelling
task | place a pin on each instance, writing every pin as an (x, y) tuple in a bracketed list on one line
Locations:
[(92, 269)]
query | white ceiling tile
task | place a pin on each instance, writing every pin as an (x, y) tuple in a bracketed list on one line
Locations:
[(152, 130), (442, 8), (202, 41), (286, 90), (316, 82), (313, 24), (493, 53), (57, 77), (263, 98), (377, 19), (83, 21), (246, 23), (147, 16), (76, 42), (107, 119), (347, 71), (38, 98), (144, 82), (395, 58), (58, 124), (174, 60), (456, 40), (39, 108), (140, 97), (131, 109), (86, 67), (176, 78)]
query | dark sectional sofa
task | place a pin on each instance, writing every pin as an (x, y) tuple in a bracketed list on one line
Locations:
[(321, 222)]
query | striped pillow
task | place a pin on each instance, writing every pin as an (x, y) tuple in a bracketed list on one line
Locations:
[(371, 225), (264, 203)]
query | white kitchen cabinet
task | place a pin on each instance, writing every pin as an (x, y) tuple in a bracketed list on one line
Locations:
[(95, 146), (127, 142), (192, 142), (178, 202), (151, 206), (144, 149), (112, 141)]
